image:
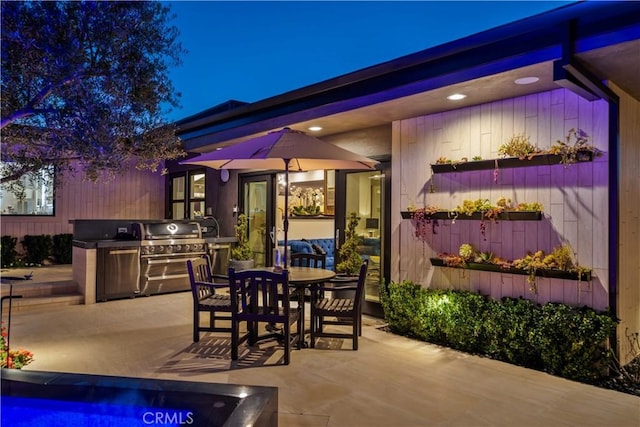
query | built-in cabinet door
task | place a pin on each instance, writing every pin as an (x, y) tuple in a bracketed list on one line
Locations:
[(257, 202), (366, 194)]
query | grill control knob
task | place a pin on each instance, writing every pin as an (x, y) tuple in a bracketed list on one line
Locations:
[(187, 248), (177, 248)]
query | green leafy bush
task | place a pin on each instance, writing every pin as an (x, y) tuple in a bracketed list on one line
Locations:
[(9, 253), (37, 248), (62, 248), (559, 339)]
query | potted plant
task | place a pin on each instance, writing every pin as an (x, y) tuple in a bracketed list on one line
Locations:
[(348, 255), (241, 253), (575, 148), (348, 267)]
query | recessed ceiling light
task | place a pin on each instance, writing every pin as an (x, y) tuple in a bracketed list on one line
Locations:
[(526, 80), (456, 97), (315, 128)]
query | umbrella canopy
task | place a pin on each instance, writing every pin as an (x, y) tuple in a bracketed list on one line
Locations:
[(285, 150), (271, 151)]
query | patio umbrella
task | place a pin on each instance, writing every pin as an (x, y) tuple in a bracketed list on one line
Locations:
[(287, 150)]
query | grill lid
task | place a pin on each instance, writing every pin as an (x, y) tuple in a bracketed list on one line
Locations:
[(166, 230)]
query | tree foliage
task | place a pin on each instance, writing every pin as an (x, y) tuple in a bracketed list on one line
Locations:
[(85, 86)]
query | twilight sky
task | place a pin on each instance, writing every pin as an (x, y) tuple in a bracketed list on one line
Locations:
[(252, 50)]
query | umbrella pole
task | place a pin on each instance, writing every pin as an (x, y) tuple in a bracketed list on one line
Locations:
[(286, 211)]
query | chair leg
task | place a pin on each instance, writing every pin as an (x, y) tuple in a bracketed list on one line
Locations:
[(235, 333), (196, 326), (356, 328), (287, 341)]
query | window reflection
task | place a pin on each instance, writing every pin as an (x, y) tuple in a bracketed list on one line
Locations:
[(30, 195)]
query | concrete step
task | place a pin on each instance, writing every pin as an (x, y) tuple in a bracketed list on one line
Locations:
[(30, 289), (21, 305), (46, 289)]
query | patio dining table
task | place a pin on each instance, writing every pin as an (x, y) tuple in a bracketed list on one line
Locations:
[(301, 278)]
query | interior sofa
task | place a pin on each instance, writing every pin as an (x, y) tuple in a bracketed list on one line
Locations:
[(367, 247), (310, 246)]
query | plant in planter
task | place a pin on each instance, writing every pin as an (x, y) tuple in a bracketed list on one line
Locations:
[(561, 258), (466, 251), (518, 146), (241, 253), (574, 148), (348, 255), (423, 223)]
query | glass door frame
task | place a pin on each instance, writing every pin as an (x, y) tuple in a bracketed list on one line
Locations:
[(369, 307), (270, 179)]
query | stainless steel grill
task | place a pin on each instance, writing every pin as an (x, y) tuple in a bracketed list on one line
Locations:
[(164, 251)]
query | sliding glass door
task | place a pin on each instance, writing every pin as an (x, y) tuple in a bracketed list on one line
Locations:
[(366, 194), (257, 202)]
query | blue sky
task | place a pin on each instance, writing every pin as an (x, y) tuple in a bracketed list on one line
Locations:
[(250, 51)]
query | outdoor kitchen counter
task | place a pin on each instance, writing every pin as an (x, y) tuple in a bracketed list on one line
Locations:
[(105, 243)]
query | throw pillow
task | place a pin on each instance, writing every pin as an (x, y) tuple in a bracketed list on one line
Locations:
[(317, 249)]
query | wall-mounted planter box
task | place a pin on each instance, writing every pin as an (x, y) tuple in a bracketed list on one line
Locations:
[(506, 163), (477, 216), (553, 274)]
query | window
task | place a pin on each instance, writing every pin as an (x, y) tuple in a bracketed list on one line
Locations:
[(187, 202), (30, 195)]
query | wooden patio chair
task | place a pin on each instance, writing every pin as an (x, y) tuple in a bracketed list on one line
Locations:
[(260, 302), (210, 295), (338, 311)]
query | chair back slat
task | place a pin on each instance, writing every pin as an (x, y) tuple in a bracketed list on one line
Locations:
[(199, 271), (362, 278), (258, 291), (308, 260)]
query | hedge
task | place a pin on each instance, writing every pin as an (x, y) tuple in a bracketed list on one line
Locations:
[(555, 338)]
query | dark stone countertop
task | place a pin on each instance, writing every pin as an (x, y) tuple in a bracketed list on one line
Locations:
[(105, 243)]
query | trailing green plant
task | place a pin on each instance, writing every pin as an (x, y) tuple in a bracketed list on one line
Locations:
[(62, 248), (9, 253), (562, 340), (241, 251), (348, 256), (575, 143), (518, 146), (37, 248)]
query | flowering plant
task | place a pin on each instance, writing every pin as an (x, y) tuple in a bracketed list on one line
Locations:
[(14, 359)]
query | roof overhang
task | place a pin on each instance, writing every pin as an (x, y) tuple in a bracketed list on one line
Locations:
[(600, 38)]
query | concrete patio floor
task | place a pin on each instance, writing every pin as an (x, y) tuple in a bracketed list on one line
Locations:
[(389, 381)]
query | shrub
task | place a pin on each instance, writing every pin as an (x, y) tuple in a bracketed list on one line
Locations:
[(37, 248), (556, 338), (62, 248), (9, 253)]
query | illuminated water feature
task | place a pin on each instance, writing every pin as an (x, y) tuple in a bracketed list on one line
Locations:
[(32, 398)]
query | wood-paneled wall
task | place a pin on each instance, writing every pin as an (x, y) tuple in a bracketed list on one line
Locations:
[(575, 198), (629, 247), (136, 194)]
